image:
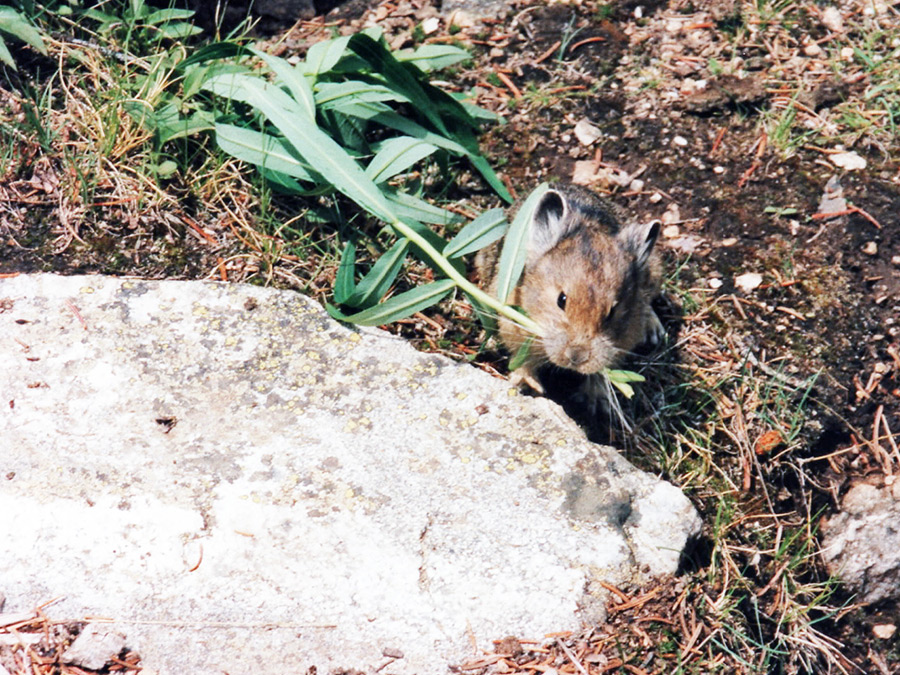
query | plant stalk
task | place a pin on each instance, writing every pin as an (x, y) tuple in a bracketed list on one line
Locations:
[(464, 284)]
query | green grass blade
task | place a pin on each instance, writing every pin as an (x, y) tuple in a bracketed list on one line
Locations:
[(484, 230), (262, 149), (5, 56), (398, 307), (515, 247), (378, 281), (396, 155), (166, 15), (344, 284), (488, 173)]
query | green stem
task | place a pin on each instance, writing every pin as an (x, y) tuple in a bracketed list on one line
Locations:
[(464, 284)]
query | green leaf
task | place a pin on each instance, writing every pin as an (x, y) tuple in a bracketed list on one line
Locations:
[(408, 207), (332, 94), (378, 281), (294, 80), (521, 354), (401, 77), (396, 155), (212, 52), (15, 24), (323, 56), (5, 56), (263, 150), (318, 149), (344, 284), (398, 307), (165, 15), (515, 247), (620, 379), (433, 57), (179, 31), (484, 230)]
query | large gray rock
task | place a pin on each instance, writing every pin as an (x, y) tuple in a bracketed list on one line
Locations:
[(244, 485), (861, 543)]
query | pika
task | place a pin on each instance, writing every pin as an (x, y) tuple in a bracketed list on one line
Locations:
[(588, 282)]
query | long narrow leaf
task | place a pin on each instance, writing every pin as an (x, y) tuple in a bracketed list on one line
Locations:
[(515, 247), (410, 207), (294, 80), (332, 94), (344, 284), (379, 279), (14, 23), (484, 230), (323, 56), (401, 77), (318, 149), (396, 155), (262, 149), (398, 307), (430, 57)]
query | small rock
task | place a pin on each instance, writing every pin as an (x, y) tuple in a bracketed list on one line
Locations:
[(655, 198), (672, 214), (95, 647), (832, 200), (636, 184), (832, 19), (748, 281), (812, 50), (895, 260), (719, 169), (884, 631), (680, 140), (638, 12), (430, 25), (671, 231), (461, 19), (587, 133), (715, 284), (847, 54), (871, 248), (848, 160), (730, 241)]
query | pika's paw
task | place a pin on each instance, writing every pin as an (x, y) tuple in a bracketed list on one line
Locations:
[(654, 332), (524, 378)]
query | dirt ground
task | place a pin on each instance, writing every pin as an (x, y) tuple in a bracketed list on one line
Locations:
[(799, 286)]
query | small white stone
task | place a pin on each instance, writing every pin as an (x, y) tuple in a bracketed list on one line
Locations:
[(846, 53), (848, 160), (639, 12), (871, 248), (748, 281), (655, 198), (831, 17), (680, 140), (430, 25), (671, 231), (715, 284), (812, 50), (586, 133), (896, 260), (719, 169), (636, 185), (884, 631), (730, 241)]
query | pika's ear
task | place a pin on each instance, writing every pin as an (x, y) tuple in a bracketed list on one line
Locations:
[(639, 239), (549, 223)]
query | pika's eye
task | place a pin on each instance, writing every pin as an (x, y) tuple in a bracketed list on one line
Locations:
[(612, 313), (561, 301)]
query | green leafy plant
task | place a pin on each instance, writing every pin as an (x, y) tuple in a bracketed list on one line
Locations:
[(310, 131), (18, 26)]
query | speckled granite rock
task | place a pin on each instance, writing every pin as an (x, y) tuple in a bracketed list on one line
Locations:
[(245, 485), (861, 543)]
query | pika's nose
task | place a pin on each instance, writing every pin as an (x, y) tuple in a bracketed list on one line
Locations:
[(577, 355)]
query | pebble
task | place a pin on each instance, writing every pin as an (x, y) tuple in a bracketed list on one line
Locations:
[(671, 231), (730, 241), (748, 281), (871, 248), (848, 160), (95, 647), (719, 169), (812, 50), (680, 140), (715, 284), (430, 25), (586, 133), (847, 54), (895, 260), (831, 17), (636, 185), (884, 630)]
